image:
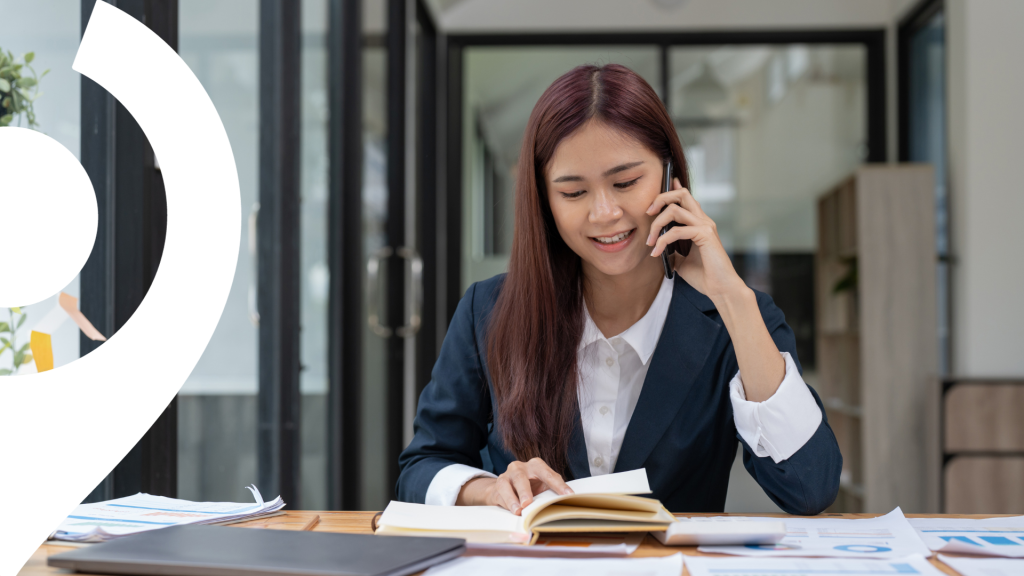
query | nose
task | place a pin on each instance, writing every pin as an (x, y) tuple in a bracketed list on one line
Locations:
[(604, 208)]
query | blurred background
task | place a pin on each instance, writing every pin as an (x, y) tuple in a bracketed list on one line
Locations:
[(856, 156)]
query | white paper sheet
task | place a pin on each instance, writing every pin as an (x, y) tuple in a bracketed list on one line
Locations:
[(988, 537), (984, 566), (908, 566), (889, 536), (589, 546), (107, 520), (664, 566)]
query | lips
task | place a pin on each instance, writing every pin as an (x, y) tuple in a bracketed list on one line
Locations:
[(613, 242)]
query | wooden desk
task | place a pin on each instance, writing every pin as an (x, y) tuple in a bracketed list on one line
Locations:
[(359, 523)]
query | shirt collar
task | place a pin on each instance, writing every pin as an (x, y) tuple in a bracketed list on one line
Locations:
[(642, 336)]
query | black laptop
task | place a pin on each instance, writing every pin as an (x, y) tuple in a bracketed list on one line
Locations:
[(228, 551)]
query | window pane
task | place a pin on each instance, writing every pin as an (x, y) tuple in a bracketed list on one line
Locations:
[(766, 130), (217, 404), (315, 273), (50, 30), (927, 141)]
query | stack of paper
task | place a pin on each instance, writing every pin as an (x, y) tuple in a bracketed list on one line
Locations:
[(907, 566), (103, 521), (665, 566), (889, 536), (987, 536)]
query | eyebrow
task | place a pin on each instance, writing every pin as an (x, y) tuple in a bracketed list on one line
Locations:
[(616, 170)]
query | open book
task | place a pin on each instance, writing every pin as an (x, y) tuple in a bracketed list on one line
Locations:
[(600, 504)]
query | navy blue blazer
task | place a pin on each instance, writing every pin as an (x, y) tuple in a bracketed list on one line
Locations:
[(682, 430)]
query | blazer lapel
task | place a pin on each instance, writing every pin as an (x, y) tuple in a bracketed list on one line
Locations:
[(686, 342), (578, 464)]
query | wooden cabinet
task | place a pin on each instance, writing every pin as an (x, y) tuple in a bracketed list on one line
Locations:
[(983, 446), (877, 346)]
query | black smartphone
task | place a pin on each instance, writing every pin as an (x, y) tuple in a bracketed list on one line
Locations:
[(680, 246)]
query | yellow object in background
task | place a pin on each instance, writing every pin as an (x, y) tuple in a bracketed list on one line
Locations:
[(42, 351)]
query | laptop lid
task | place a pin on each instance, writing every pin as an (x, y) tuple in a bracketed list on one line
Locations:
[(192, 550)]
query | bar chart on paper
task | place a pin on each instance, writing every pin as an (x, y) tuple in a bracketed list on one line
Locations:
[(988, 536), (908, 566), (888, 536)]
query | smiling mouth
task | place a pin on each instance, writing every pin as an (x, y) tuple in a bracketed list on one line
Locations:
[(607, 240)]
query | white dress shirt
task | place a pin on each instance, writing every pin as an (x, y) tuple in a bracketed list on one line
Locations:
[(612, 372)]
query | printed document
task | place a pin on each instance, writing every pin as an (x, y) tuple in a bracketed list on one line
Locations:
[(664, 566), (103, 521), (889, 536), (908, 566), (984, 566), (988, 536)]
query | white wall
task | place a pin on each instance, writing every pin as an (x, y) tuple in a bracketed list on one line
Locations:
[(986, 135)]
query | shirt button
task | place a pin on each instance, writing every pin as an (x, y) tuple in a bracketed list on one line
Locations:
[(609, 361), (603, 411), (598, 461)]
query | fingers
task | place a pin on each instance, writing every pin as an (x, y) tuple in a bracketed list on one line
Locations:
[(513, 490), (540, 470), (521, 484), (679, 233), (506, 495), (678, 195), (672, 213)]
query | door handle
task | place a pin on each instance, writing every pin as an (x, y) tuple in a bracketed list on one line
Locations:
[(373, 292), (413, 292)]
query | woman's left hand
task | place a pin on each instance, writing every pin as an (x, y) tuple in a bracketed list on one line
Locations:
[(707, 268)]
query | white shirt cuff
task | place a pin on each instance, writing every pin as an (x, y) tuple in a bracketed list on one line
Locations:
[(448, 482), (780, 425)]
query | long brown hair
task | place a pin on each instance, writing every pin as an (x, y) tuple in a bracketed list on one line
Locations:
[(537, 321)]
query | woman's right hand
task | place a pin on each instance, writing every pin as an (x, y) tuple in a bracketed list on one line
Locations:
[(515, 489)]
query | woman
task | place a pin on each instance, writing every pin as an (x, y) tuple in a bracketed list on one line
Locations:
[(585, 359)]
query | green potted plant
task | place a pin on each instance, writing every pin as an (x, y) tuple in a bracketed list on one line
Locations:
[(9, 341), (19, 88)]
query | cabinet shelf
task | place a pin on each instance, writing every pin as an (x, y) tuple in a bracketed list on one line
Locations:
[(876, 339)]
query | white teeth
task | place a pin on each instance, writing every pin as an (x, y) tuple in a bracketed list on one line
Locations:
[(614, 239)]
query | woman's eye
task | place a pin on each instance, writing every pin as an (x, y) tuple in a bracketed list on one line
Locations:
[(575, 194), (623, 185)]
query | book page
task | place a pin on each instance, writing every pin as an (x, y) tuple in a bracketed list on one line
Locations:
[(632, 482), (450, 518)]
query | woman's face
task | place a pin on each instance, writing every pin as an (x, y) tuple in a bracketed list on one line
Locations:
[(600, 183)]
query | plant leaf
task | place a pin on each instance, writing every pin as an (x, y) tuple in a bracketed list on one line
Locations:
[(22, 321), (5, 327), (17, 309), (18, 358), (26, 359), (5, 372), (3, 348), (29, 57), (25, 348), (5, 86), (27, 82), (5, 341)]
